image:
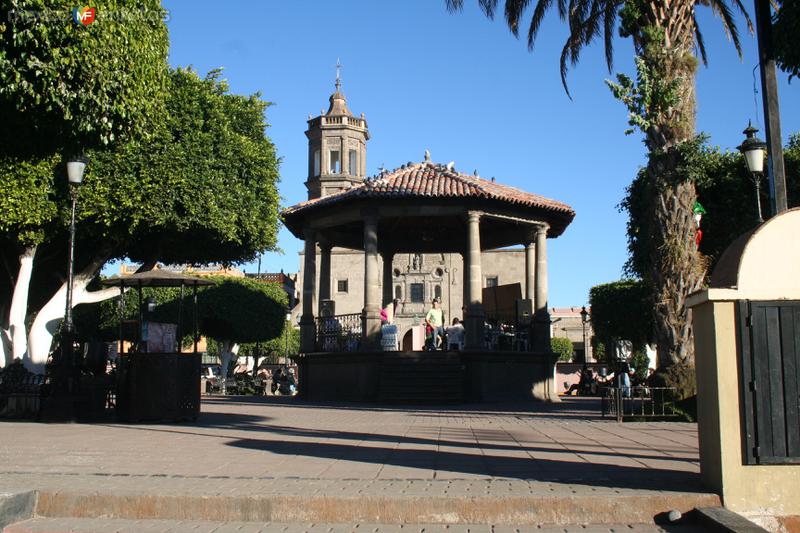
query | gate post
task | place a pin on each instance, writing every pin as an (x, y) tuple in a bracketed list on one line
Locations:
[(759, 270)]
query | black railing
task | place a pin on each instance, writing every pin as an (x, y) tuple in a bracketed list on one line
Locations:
[(640, 402), (339, 333)]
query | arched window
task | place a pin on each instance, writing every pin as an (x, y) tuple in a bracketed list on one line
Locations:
[(437, 291), (398, 292), (316, 162)]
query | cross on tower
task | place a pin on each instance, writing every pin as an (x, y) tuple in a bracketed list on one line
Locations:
[(338, 78)]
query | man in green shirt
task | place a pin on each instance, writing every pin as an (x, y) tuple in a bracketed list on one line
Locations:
[(435, 320)]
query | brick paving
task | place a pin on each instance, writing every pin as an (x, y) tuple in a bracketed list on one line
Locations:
[(394, 459)]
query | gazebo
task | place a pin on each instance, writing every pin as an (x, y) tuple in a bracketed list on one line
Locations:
[(426, 208)]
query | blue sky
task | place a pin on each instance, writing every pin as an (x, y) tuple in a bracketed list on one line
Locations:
[(461, 86)]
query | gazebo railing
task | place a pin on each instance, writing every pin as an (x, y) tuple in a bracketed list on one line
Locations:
[(339, 333)]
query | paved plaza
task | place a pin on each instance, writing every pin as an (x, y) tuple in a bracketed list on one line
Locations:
[(348, 463)]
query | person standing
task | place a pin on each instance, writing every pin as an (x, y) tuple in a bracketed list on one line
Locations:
[(435, 320)]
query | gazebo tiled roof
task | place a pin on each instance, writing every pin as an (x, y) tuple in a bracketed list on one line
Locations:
[(430, 180)]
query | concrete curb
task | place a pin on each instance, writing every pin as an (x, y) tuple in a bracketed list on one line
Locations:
[(524, 510), (16, 506), (722, 520)]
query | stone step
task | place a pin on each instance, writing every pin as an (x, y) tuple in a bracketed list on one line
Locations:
[(404, 505), (117, 525)]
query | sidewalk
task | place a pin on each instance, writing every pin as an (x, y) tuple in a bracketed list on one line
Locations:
[(281, 460)]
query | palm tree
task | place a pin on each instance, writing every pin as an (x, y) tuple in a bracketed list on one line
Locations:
[(666, 39)]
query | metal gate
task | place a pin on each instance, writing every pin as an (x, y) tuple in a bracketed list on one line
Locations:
[(769, 370)]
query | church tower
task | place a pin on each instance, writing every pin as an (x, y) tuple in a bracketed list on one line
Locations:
[(337, 147)]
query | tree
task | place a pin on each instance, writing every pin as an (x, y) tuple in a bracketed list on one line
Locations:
[(63, 88), (232, 311), (202, 187), (661, 103), (621, 311), (563, 347), (785, 30), (725, 190)]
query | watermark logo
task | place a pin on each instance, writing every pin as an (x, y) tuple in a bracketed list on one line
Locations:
[(83, 15)]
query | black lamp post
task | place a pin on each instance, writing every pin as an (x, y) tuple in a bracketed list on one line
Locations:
[(75, 168), (753, 150), (584, 321), (287, 326)]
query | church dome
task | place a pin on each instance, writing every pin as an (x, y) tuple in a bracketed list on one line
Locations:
[(338, 105)]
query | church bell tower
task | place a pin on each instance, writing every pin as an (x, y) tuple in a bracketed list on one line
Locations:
[(337, 147)]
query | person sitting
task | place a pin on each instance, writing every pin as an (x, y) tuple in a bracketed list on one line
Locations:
[(585, 383), (455, 335)]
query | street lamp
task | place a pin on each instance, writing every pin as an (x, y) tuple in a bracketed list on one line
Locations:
[(753, 150), (287, 326), (584, 321), (75, 168)]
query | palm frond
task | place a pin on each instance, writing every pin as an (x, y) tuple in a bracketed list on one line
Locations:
[(701, 45), (743, 11), (514, 11), (536, 20), (454, 5), (609, 25), (720, 7), (488, 7)]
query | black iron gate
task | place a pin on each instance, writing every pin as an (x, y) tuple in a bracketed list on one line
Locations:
[(769, 370)]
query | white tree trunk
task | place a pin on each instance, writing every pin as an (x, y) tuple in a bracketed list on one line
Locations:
[(14, 339), (49, 317)]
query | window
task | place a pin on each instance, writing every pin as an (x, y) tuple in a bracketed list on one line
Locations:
[(491, 281), (417, 293), (398, 292), (352, 160), (437, 291), (396, 272), (439, 272), (341, 285), (335, 162), (316, 162)]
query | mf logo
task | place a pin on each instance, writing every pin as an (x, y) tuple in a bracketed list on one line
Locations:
[(83, 15)]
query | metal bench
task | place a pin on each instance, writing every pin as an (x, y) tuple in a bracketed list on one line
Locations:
[(20, 391)]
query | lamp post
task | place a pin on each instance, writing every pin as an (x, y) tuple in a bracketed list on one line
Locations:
[(753, 150), (75, 168), (584, 321), (287, 326)]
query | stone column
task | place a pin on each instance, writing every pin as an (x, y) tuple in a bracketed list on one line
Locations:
[(475, 314), (324, 274), (541, 269), (308, 333), (388, 278), (530, 268), (372, 292), (546, 390)]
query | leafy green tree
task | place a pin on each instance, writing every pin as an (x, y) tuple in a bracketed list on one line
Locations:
[(232, 311), (785, 30), (63, 88), (661, 103), (621, 311), (67, 86), (201, 188), (726, 191), (563, 347)]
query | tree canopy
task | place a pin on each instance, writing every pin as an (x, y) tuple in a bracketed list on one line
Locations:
[(621, 311), (725, 190), (786, 28), (234, 309), (68, 86)]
